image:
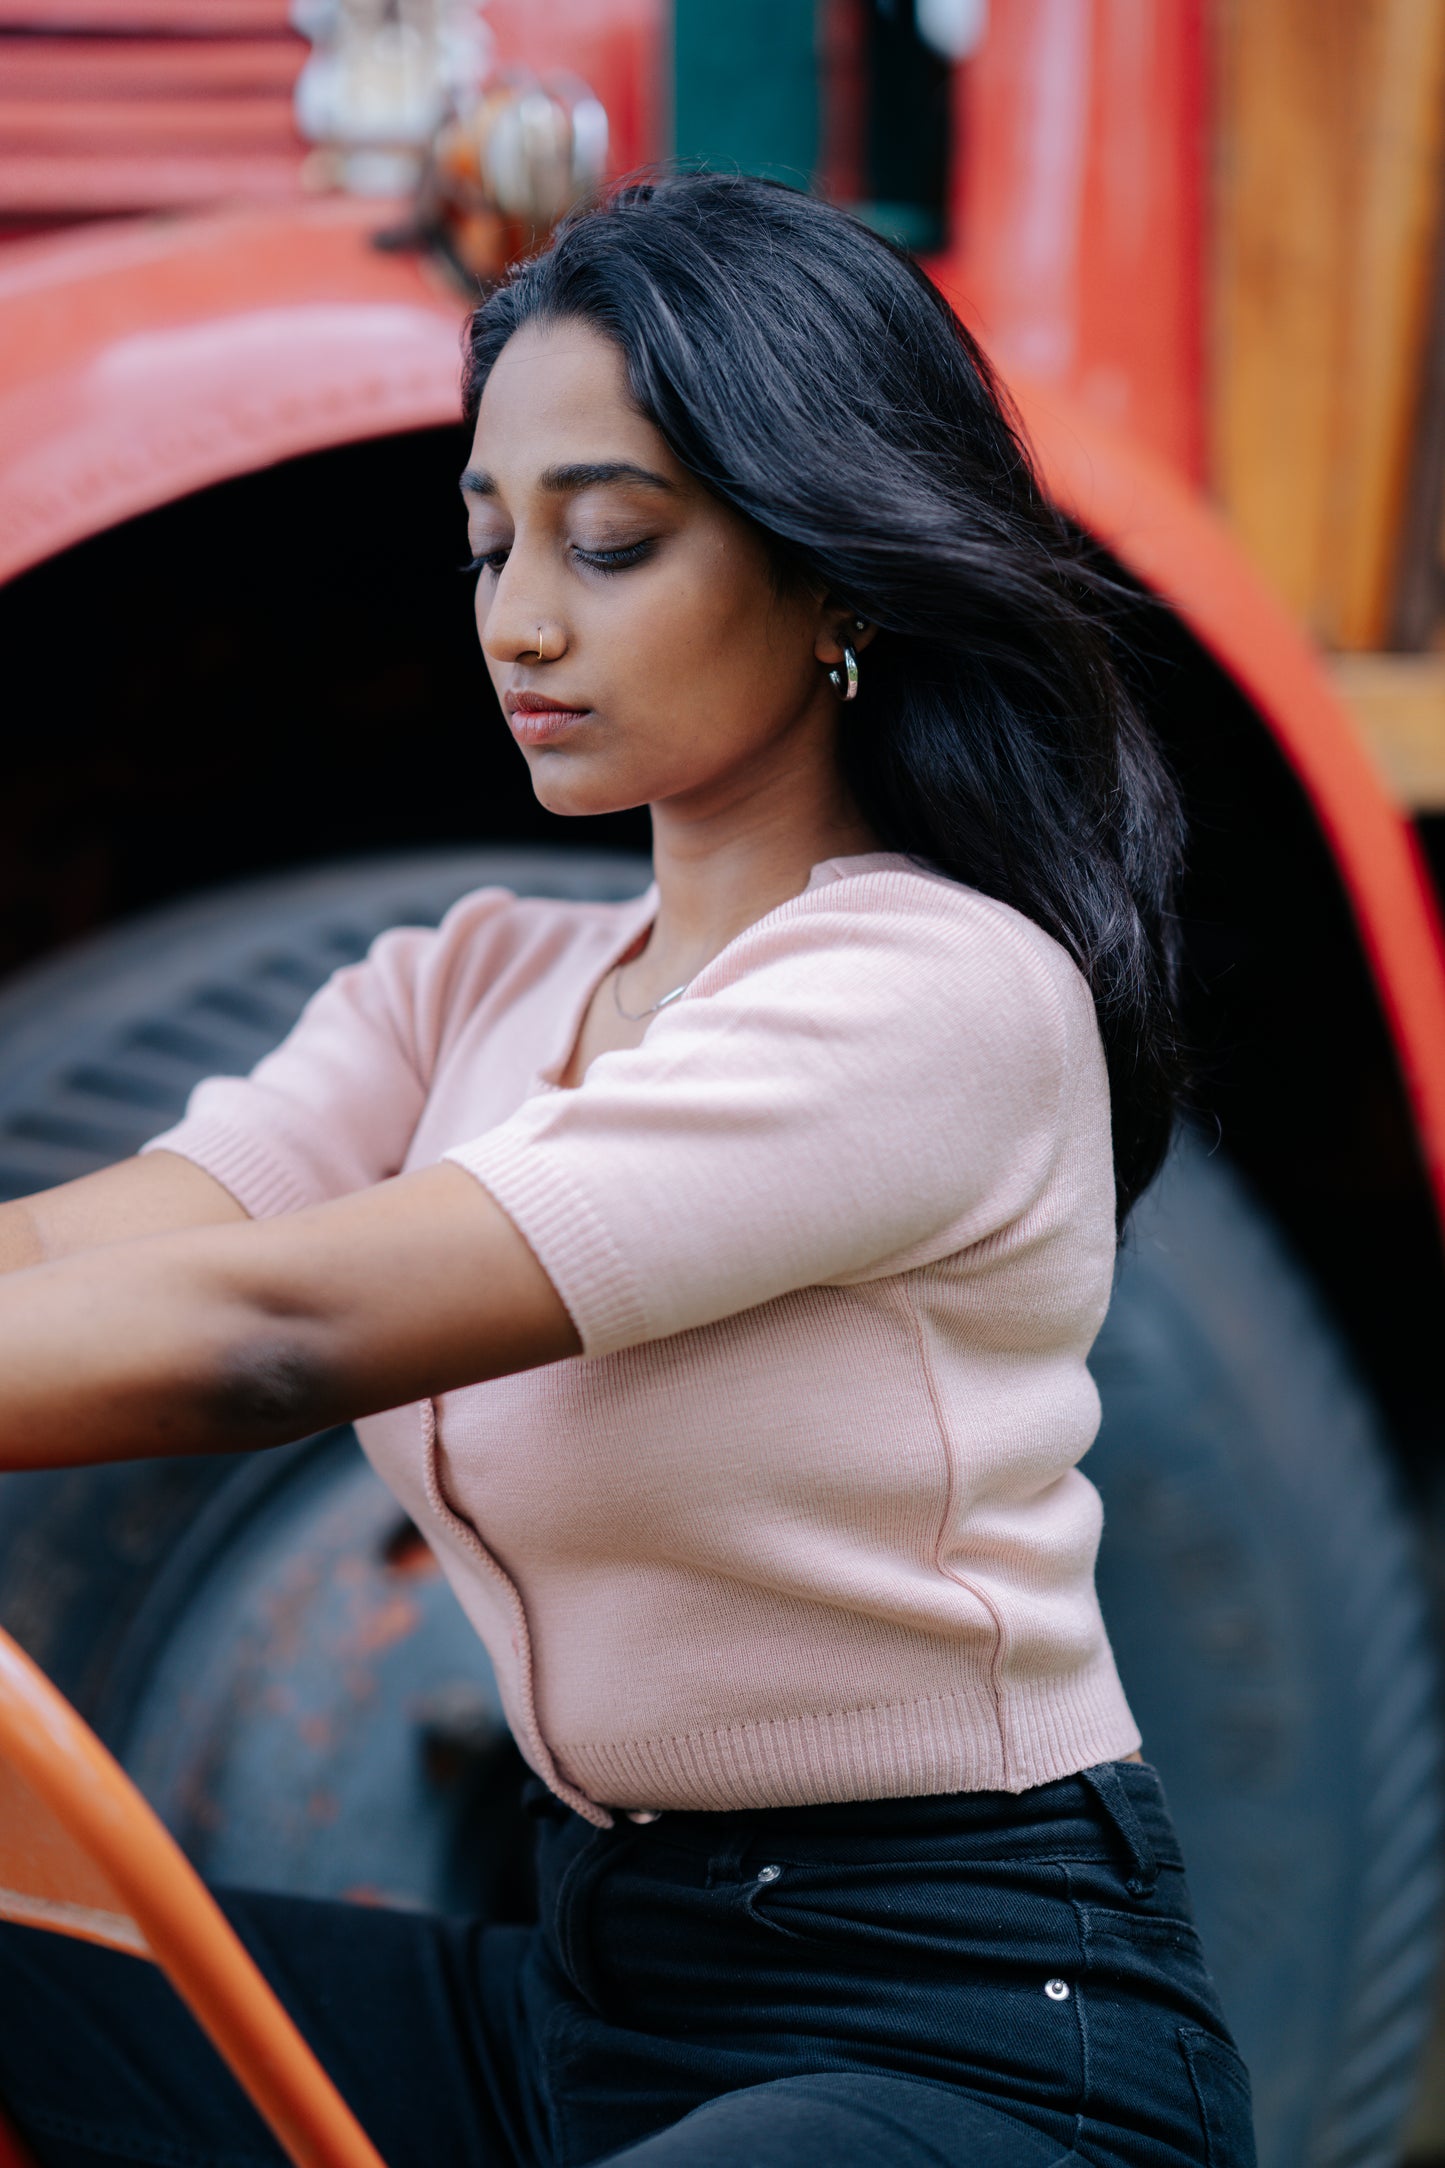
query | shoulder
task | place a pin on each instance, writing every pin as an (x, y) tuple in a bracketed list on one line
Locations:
[(492, 930), (919, 950), (497, 918), (492, 947)]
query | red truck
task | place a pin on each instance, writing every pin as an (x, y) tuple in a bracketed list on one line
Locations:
[(227, 527)]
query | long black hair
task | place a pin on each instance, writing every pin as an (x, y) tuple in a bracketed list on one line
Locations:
[(813, 378)]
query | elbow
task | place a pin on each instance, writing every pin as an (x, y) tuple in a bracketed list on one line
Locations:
[(267, 1390)]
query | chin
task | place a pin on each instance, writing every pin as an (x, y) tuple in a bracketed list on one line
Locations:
[(560, 788)]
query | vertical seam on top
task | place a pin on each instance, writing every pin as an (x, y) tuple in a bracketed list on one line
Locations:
[(941, 1565)]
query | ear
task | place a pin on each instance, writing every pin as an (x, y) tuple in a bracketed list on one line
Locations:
[(840, 626)]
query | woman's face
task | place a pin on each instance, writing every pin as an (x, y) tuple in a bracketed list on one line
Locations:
[(629, 620)]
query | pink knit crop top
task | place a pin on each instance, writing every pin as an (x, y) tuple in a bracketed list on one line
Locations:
[(804, 1521)]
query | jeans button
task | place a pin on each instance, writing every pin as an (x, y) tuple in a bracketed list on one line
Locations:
[(1057, 1990)]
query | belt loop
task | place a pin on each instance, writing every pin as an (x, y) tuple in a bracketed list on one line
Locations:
[(734, 1837), (1107, 1786)]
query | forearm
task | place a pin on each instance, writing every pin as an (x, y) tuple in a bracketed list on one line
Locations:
[(20, 1243), (156, 1194), (230, 1338), (133, 1350)]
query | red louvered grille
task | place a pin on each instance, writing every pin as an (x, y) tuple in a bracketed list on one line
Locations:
[(120, 106)]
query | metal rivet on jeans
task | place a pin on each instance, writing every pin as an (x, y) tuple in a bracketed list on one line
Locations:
[(1057, 1990), (769, 1874)]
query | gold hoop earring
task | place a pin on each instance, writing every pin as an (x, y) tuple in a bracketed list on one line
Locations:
[(843, 677)]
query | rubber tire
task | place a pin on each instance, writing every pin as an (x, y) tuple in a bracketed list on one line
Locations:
[(1257, 1570), (1259, 1577)]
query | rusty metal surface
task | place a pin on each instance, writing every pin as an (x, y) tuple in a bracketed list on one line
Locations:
[(310, 1708)]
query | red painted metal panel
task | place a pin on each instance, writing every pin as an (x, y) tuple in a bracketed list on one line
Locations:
[(144, 362), (1169, 537), (81, 67), (94, 125), (82, 185), (91, 127), (1077, 212), (139, 18)]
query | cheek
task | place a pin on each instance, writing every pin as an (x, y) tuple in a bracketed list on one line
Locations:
[(711, 619)]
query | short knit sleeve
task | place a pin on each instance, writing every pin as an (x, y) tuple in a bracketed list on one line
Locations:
[(868, 1079), (333, 1108)]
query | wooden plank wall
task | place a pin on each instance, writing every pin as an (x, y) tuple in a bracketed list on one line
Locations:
[(1330, 143)]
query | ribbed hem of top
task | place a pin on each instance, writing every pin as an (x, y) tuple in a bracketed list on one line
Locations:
[(261, 1184), (898, 1750), (570, 1240)]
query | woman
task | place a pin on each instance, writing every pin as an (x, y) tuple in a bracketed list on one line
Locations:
[(712, 1277)]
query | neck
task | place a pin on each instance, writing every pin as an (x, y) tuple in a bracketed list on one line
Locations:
[(721, 867)]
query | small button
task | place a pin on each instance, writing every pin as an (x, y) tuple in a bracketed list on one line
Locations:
[(769, 1874), (1057, 1990), (643, 1814)]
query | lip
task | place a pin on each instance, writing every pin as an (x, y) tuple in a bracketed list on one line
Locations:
[(539, 718)]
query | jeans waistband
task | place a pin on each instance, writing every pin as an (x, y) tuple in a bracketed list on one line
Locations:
[(1117, 1809)]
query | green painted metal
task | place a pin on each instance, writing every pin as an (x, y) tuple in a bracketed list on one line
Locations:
[(746, 87)]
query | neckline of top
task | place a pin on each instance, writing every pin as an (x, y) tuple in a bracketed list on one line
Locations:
[(637, 920)]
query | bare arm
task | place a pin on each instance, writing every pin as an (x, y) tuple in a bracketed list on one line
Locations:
[(154, 1195), (223, 1337)]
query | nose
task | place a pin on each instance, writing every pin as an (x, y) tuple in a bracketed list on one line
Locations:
[(519, 621)]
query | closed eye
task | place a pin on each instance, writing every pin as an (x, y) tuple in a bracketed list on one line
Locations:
[(613, 560), (616, 560)]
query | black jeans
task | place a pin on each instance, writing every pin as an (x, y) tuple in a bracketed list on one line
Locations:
[(977, 1980)]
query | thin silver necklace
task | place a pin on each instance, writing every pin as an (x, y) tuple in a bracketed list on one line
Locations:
[(632, 1016)]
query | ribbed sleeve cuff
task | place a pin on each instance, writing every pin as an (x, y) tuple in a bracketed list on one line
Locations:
[(570, 1240), (261, 1183)]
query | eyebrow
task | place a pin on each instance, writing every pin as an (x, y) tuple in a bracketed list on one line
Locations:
[(561, 481)]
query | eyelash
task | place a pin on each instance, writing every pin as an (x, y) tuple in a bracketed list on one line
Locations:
[(595, 560)]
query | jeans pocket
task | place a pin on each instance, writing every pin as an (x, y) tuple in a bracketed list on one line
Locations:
[(1220, 2084), (851, 1915), (758, 1903)]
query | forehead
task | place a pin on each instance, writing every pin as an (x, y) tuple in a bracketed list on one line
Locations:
[(558, 395)]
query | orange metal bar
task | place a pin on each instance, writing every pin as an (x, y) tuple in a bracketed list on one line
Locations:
[(66, 1767)]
